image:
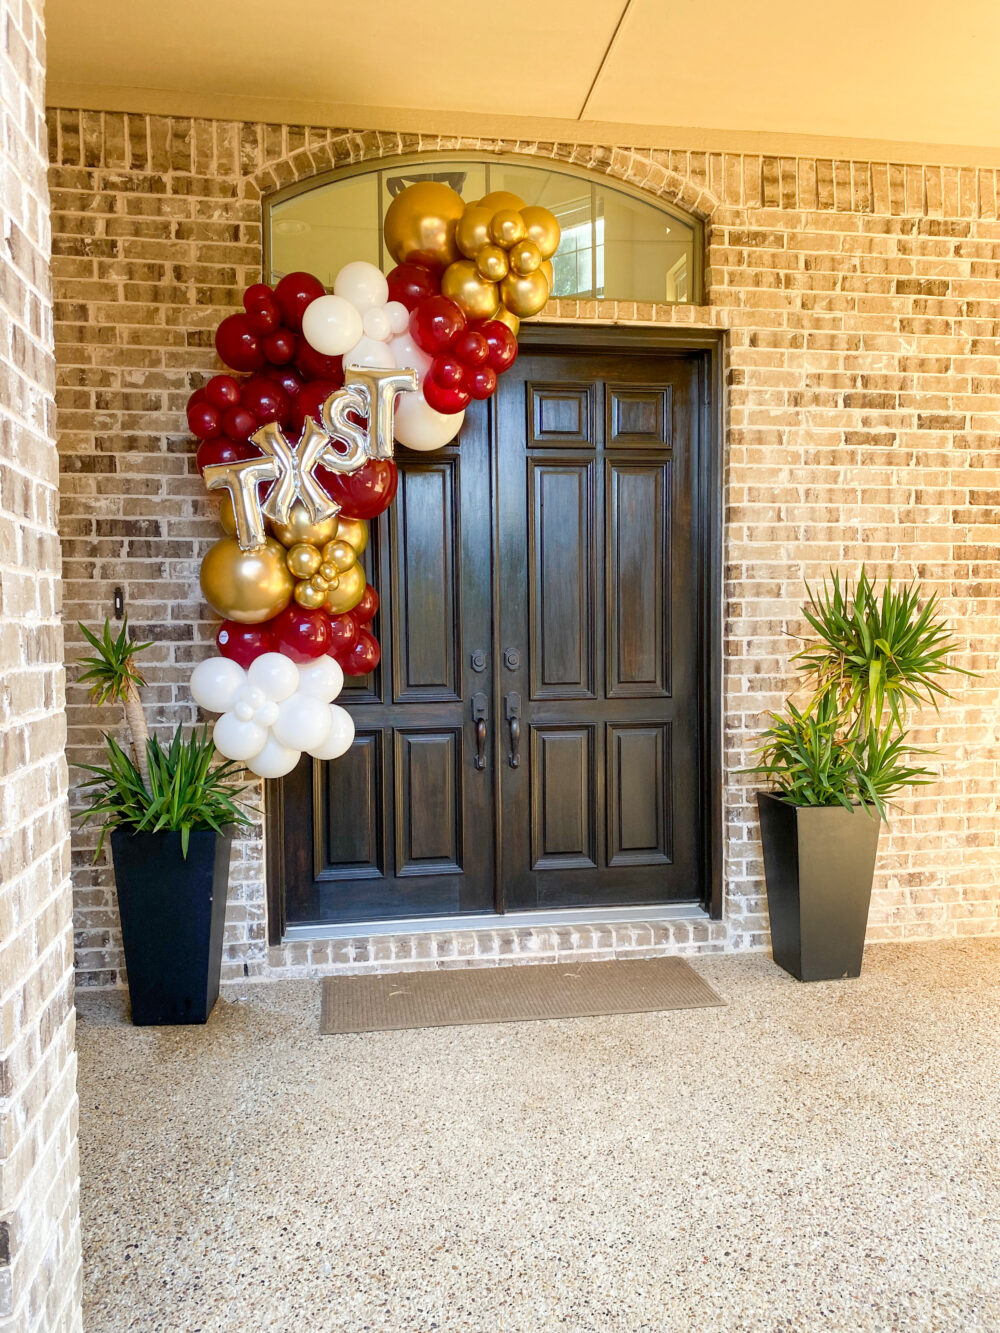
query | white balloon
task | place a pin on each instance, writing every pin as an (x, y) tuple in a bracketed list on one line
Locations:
[(368, 352), (243, 710), (267, 714), (252, 695), (322, 678), (399, 317), (275, 675), (340, 737), (362, 284), (375, 323), (303, 722), (238, 738), (331, 325), (418, 426), (408, 356), (274, 761), (216, 682)]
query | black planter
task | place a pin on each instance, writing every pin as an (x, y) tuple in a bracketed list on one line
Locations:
[(173, 910), (819, 862)]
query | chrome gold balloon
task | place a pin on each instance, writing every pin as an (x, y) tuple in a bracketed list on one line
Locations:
[(301, 530), (328, 572), (248, 586), (227, 514), (311, 599), (542, 228), (525, 258), (548, 269), (473, 230), (507, 227), (525, 296), (498, 199), (303, 560), (420, 224), (340, 554), (354, 531), (506, 317), (476, 297), (492, 263), (348, 592)]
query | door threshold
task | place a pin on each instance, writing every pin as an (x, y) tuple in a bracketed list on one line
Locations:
[(566, 916)]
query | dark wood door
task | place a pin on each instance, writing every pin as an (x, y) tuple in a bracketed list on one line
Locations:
[(599, 631)]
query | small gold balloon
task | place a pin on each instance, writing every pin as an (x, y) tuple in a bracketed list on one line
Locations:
[(498, 199), (474, 296), (542, 228), (507, 227), (321, 584), (420, 224), (525, 258), (348, 592), (303, 560), (524, 297), (473, 230), (492, 262), (505, 316), (248, 586), (548, 268), (301, 530), (327, 571), (340, 554), (227, 515), (354, 531), (308, 597)]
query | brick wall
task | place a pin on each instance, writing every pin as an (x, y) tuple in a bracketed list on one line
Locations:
[(39, 1232), (863, 401)]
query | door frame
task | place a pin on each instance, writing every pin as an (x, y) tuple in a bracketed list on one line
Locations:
[(614, 339)]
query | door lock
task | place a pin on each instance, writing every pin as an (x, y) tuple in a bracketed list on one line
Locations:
[(511, 659)]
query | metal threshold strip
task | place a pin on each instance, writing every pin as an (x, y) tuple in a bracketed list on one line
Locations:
[(567, 916)]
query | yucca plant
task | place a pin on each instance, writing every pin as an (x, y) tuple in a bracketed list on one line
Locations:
[(113, 677)]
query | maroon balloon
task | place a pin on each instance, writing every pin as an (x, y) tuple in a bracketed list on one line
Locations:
[(223, 391), (343, 634), (411, 284), (222, 450), (313, 365), (265, 399), (244, 643), (447, 371), (480, 383), (435, 324), (300, 634), (279, 347), (293, 293), (471, 348), (363, 657), (444, 399), (204, 420), (364, 493), (501, 342), (237, 344), (367, 609), (309, 400), (284, 376), (263, 314), (239, 424)]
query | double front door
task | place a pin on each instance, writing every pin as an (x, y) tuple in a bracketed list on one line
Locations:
[(533, 737)]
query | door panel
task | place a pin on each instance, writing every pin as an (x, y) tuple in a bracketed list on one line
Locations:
[(637, 631), (562, 553)]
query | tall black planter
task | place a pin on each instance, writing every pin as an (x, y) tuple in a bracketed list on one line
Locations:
[(819, 862), (173, 910)]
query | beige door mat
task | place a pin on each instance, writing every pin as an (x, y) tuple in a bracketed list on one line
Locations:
[(452, 997)]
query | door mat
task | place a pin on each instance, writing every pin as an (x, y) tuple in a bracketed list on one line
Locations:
[(454, 997)]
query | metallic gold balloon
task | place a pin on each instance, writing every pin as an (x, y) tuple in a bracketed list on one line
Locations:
[(303, 560), (507, 228), (327, 571), (420, 224), (475, 296), (248, 586), (525, 258), (300, 529), (498, 199), (227, 515), (320, 584), (542, 228), (340, 554), (550, 273), (308, 597), (492, 262), (473, 230), (524, 297), (505, 316), (354, 531), (348, 592)]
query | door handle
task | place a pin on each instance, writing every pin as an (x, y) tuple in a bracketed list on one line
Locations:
[(512, 708), (479, 720)]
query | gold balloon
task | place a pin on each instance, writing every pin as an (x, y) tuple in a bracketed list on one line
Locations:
[(303, 560), (301, 530), (507, 228), (420, 224), (498, 199), (340, 554), (327, 571), (506, 316), (320, 584), (308, 597), (550, 273), (475, 296), (227, 514), (492, 262), (473, 230), (524, 297), (348, 592), (248, 586), (525, 258), (354, 531), (542, 228)]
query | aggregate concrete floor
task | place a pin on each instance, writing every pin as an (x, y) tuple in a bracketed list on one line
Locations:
[(818, 1157)]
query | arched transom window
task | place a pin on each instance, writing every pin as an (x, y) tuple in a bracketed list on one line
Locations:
[(617, 244)]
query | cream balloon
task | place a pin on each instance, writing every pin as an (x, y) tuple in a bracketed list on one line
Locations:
[(362, 284), (399, 317), (238, 740), (339, 738), (418, 426), (275, 675), (303, 722), (275, 760), (376, 325), (368, 352), (321, 678), (331, 325), (408, 356), (216, 682)]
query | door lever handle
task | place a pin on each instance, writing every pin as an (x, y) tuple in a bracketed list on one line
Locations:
[(479, 720), (512, 709)]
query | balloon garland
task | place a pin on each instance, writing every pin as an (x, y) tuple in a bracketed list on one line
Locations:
[(301, 450)]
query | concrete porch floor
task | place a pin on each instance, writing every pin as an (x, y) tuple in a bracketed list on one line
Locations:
[(817, 1157)]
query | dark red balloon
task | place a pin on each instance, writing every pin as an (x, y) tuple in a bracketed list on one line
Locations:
[(285, 376), (363, 657), (244, 643), (309, 400), (364, 493), (444, 399), (222, 450), (265, 399), (448, 371), (293, 293), (411, 284), (471, 348), (435, 324), (367, 609), (237, 344), (501, 342), (223, 391), (279, 347), (300, 634), (204, 420), (239, 424), (263, 314), (480, 383), (343, 634), (313, 365)]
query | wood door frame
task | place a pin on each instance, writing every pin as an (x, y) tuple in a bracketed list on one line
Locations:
[(612, 340)]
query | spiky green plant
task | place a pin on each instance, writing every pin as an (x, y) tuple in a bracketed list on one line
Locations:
[(114, 677)]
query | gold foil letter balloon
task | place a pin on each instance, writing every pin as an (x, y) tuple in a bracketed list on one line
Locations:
[(248, 586), (420, 224)]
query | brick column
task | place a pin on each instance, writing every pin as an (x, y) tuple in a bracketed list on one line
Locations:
[(39, 1226)]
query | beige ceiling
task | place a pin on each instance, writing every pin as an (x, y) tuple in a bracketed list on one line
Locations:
[(778, 75)]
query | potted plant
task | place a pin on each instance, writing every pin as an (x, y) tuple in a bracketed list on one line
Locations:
[(835, 762), (171, 812)]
